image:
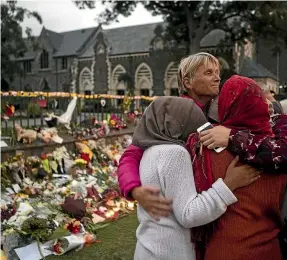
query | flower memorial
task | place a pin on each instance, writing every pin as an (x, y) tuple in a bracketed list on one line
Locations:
[(57, 202), (93, 129), (62, 123)]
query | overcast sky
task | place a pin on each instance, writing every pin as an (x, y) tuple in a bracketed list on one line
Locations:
[(63, 15)]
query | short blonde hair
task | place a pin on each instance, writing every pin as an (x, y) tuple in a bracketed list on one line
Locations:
[(189, 65)]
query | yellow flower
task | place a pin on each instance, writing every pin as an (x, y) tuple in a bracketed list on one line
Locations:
[(113, 122), (22, 196), (76, 224), (80, 161)]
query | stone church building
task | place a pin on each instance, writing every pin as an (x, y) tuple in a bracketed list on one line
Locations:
[(92, 59)]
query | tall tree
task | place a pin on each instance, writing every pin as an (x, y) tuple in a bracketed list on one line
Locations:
[(189, 21), (13, 44)]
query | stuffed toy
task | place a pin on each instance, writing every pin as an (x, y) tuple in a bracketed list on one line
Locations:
[(27, 136), (49, 134)]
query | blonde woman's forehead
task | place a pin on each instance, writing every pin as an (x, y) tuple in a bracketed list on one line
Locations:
[(210, 65), (209, 62), (193, 62)]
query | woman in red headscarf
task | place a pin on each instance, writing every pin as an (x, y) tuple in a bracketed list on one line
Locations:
[(249, 229)]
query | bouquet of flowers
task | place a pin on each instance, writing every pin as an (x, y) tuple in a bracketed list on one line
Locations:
[(134, 117), (80, 163), (7, 211), (93, 128), (5, 181), (110, 194), (65, 244), (126, 103), (22, 213), (33, 162), (74, 226), (13, 166), (60, 246), (116, 123), (38, 228)]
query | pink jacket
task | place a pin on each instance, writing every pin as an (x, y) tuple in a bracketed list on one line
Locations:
[(128, 170)]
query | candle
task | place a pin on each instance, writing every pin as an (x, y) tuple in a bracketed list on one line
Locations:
[(131, 205), (109, 213)]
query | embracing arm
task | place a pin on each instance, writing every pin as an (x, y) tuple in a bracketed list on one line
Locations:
[(128, 170), (190, 208), (269, 153), (130, 185)]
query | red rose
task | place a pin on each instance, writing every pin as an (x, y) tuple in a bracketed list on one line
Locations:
[(43, 156), (56, 248), (85, 157)]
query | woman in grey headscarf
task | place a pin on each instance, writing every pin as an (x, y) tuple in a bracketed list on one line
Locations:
[(166, 164)]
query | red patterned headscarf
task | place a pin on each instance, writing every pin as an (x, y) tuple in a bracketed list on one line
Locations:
[(241, 105)]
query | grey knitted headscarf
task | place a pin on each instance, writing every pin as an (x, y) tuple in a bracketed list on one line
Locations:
[(168, 120)]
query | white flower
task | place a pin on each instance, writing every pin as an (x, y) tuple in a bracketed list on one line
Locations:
[(37, 185), (47, 193), (3, 206), (64, 190), (27, 181), (17, 221), (25, 209)]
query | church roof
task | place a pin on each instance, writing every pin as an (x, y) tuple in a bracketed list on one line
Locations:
[(131, 39), (252, 69), (123, 40), (73, 40)]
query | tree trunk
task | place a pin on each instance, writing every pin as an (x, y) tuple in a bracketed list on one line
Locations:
[(194, 36), (194, 45), (196, 29)]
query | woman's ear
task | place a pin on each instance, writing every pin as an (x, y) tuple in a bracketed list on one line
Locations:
[(187, 83)]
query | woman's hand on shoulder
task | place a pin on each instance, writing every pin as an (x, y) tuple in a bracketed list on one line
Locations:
[(240, 176)]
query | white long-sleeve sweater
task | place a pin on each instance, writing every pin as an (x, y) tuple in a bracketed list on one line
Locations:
[(169, 168)]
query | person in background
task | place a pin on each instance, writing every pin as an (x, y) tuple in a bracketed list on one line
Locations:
[(283, 103), (269, 94)]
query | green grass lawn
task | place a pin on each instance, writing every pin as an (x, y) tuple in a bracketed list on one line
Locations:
[(118, 242)]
